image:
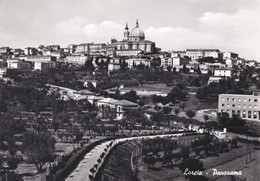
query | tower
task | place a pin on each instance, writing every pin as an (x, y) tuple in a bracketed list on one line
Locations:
[(137, 24), (126, 32)]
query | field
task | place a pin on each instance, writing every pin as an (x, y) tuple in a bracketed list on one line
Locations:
[(149, 89)]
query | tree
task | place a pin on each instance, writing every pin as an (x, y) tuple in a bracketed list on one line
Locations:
[(185, 152), (198, 70), (206, 117), (156, 99), (2, 105), (224, 119), (196, 82), (150, 160), (131, 96), (176, 111), (190, 113), (89, 65), (182, 105), (177, 93), (158, 117), (141, 103), (167, 110), (91, 87), (201, 94), (39, 147), (117, 94), (169, 68), (184, 69), (123, 65), (13, 162), (77, 135), (108, 113)]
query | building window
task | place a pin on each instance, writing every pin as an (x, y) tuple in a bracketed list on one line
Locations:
[(228, 105), (255, 100), (244, 114), (255, 115), (249, 114), (238, 106), (255, 106), (233, 112), (233, 105), (250, 106), (233, 99), (250, 100), (239, 100), (238, 113), (227, 99), (244, 100), (223, 105)]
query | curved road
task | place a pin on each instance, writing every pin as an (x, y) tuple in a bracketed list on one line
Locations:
[(82, 172)]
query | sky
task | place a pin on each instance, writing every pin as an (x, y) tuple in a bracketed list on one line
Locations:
[(228, 25)]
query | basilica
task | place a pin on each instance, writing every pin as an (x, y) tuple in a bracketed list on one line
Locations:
[(133, 43)]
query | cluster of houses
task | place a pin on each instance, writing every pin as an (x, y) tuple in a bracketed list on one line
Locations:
[(104, 105), (221, 65), (45, 57)]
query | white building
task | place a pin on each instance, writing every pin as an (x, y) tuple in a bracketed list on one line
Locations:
[(41, 58), (44, 66), (230, 62), (76, 59), (17, 64), (166, 62), (230, 55), (128, 52), (245, 106), (119, 106), (196, 54), (114, 64), (82, 94), (178, 54), (223, 72), (137, 61), (215, 79), (2, 71), (251, 63), (30, 51), (211, 66), (176, 62)]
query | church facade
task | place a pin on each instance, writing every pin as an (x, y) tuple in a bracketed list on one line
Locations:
[(133, 43)]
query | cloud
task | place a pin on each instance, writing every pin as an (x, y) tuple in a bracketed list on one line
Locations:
[(79, 29), (104, 30), (178, 38), (5, 35), (239, 32)]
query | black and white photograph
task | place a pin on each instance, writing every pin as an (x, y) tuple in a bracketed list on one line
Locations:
[(129, 90)]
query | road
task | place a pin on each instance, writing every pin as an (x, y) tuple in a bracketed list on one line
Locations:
[(82, 172)]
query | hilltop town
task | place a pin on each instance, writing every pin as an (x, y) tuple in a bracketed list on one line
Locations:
[(56, 101)]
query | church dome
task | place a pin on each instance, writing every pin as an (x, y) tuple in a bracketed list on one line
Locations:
[(137, 32)]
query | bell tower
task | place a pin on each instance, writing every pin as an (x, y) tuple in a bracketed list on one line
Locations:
[(126, 32)]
